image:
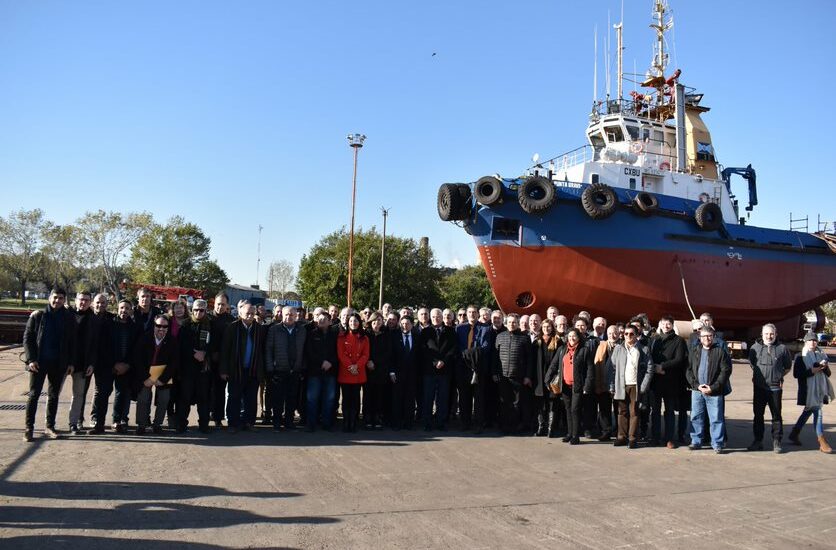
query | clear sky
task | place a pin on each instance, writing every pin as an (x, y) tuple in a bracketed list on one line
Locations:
[(235, 114)]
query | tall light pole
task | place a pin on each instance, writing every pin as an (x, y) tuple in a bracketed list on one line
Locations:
[(355, 141), (258, 259), (382, 256)]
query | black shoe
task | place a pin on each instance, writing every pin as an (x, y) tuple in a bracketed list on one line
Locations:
[(575, 441), (96, 430), (794, 439), (694, 447), (755, 446), (74, 429), (604, 437), (28, 436), (777, 448), (140, 430), (246, 427), (157, 430), (219, 424), (566, 438), (121, 428), (205, 429), (620, 443)]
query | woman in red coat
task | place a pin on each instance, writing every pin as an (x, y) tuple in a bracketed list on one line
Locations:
[(353, 353)]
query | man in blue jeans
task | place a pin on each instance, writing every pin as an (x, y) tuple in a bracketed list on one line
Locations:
[(708, 373), (321, 365)]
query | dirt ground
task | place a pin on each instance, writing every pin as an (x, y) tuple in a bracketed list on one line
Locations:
[(409, 489)]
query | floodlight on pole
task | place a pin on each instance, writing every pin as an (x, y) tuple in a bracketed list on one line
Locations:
[(355, 141)]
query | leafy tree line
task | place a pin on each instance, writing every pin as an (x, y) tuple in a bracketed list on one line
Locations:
[(411, 275), (101, 249)]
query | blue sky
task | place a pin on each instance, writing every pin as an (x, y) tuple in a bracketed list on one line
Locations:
[(234, 114)]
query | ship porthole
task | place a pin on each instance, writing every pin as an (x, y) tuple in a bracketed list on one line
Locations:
[(525, 299)]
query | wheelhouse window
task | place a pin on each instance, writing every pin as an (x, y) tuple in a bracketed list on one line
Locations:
[(597, 140), (634, 132), (614, 134)]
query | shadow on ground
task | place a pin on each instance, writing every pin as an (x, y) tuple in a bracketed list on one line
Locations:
[(143, 516), (39, 542)]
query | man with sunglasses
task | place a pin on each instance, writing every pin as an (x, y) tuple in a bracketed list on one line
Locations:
[(158, 349), (709, 369), (195, 375)]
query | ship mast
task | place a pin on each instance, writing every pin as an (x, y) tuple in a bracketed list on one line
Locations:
[(619, 39), (660, 56)]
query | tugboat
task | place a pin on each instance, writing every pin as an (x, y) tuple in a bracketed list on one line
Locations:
[(642, 219)]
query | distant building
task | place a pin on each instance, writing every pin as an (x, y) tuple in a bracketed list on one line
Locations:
[(255, 295)]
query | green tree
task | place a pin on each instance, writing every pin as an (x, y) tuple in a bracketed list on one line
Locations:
[(62, 263), (21, 244), (410, 274), (468, 285), (106, 239), (176, 254)]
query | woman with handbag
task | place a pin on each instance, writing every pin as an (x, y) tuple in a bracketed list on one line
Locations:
[(546, 404), (814, 389), (572, 373)]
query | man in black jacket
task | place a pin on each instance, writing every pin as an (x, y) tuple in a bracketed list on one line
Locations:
[(159, 349), (120, 359), (669, 353), (103, 374), (770, 362), (322, 366), (219, 321), (85, 359), (194, 374), (438, 358), (242, 365), (145, 311), (708, 373), (284, 366), (513, 366), (403, 372), (49, 350)]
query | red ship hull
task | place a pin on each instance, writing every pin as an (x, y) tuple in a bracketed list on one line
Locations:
[(617, 283)]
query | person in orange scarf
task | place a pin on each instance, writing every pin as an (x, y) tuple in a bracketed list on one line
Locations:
[(353, 353)]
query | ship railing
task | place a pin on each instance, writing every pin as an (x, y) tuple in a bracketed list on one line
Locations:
[(584, 153)]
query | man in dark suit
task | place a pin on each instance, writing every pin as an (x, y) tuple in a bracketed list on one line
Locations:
[(153, 350), (403, 373), (438, 359)]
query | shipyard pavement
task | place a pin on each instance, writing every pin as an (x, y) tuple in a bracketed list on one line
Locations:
[(407, 489)]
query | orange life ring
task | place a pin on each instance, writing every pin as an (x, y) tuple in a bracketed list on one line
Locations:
[(636, 147), (665, 166)]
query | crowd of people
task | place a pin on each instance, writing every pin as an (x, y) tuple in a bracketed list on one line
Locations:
[(625, 382)]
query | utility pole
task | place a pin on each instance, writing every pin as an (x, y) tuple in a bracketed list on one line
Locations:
[(258, 259), (355, 141), (382, 257)]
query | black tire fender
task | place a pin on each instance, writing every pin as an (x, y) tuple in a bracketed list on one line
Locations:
[(599, 201), (646, 203), (708, 216), (449, 202), (536, 195), (488, 191)]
